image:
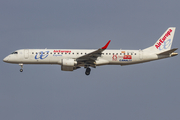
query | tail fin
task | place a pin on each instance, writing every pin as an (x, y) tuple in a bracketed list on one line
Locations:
[(164, 42)]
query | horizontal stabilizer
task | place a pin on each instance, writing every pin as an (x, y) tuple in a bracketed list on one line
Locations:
[(168, 52)]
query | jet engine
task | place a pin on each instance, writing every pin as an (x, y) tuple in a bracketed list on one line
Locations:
[(68, 64)]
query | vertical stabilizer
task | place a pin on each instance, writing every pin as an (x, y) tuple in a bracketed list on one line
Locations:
[(164, 42)]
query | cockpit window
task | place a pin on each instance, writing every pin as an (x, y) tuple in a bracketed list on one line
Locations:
[(14, 53)]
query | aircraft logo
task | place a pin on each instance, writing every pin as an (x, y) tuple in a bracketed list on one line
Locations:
[(41, 55), (161, 41), (165, 45), (114, 58), (62, 51), (126, 58)]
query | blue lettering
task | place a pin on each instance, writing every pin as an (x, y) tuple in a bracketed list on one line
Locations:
[(56, 55)]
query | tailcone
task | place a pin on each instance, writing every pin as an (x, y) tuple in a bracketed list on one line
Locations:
[(173, 54)]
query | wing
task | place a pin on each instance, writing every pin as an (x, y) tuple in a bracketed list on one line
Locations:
[(91, 57)]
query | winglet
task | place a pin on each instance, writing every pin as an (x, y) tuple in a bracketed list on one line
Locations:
[(106, 45)]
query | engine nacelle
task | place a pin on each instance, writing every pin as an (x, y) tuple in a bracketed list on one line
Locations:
[(68, 64)]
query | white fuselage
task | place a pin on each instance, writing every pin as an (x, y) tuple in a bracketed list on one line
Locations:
[(54, 56)]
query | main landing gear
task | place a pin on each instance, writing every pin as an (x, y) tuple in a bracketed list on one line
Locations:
[(21, 70), (88, 70)]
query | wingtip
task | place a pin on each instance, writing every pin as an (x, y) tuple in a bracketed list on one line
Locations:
[(107, 44)]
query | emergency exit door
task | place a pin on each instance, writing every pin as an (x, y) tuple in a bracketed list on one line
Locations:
[(26, 53), (140, 54)]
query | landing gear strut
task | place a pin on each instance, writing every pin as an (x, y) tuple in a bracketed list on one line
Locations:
[(21, 70), (88, 70)]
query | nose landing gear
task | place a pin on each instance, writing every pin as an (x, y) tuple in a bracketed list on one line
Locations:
[(88, 70), (21, 70)]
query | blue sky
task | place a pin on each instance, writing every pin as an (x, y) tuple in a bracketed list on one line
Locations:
[(143, 91)]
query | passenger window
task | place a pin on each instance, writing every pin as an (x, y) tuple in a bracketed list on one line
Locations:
[(109, 53), (32, 52), (116, 53), (106, 53), (134, 53)]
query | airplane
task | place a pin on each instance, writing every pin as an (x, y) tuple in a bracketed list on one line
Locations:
[(72, 59)]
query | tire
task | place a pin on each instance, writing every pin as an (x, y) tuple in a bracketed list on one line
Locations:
[(21, 70), (88, 70)]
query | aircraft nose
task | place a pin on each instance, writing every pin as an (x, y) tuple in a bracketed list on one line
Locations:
[(6, 59)]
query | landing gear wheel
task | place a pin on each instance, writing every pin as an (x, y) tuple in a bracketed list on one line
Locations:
[(21, 70), (88, 70), (21, 64)]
